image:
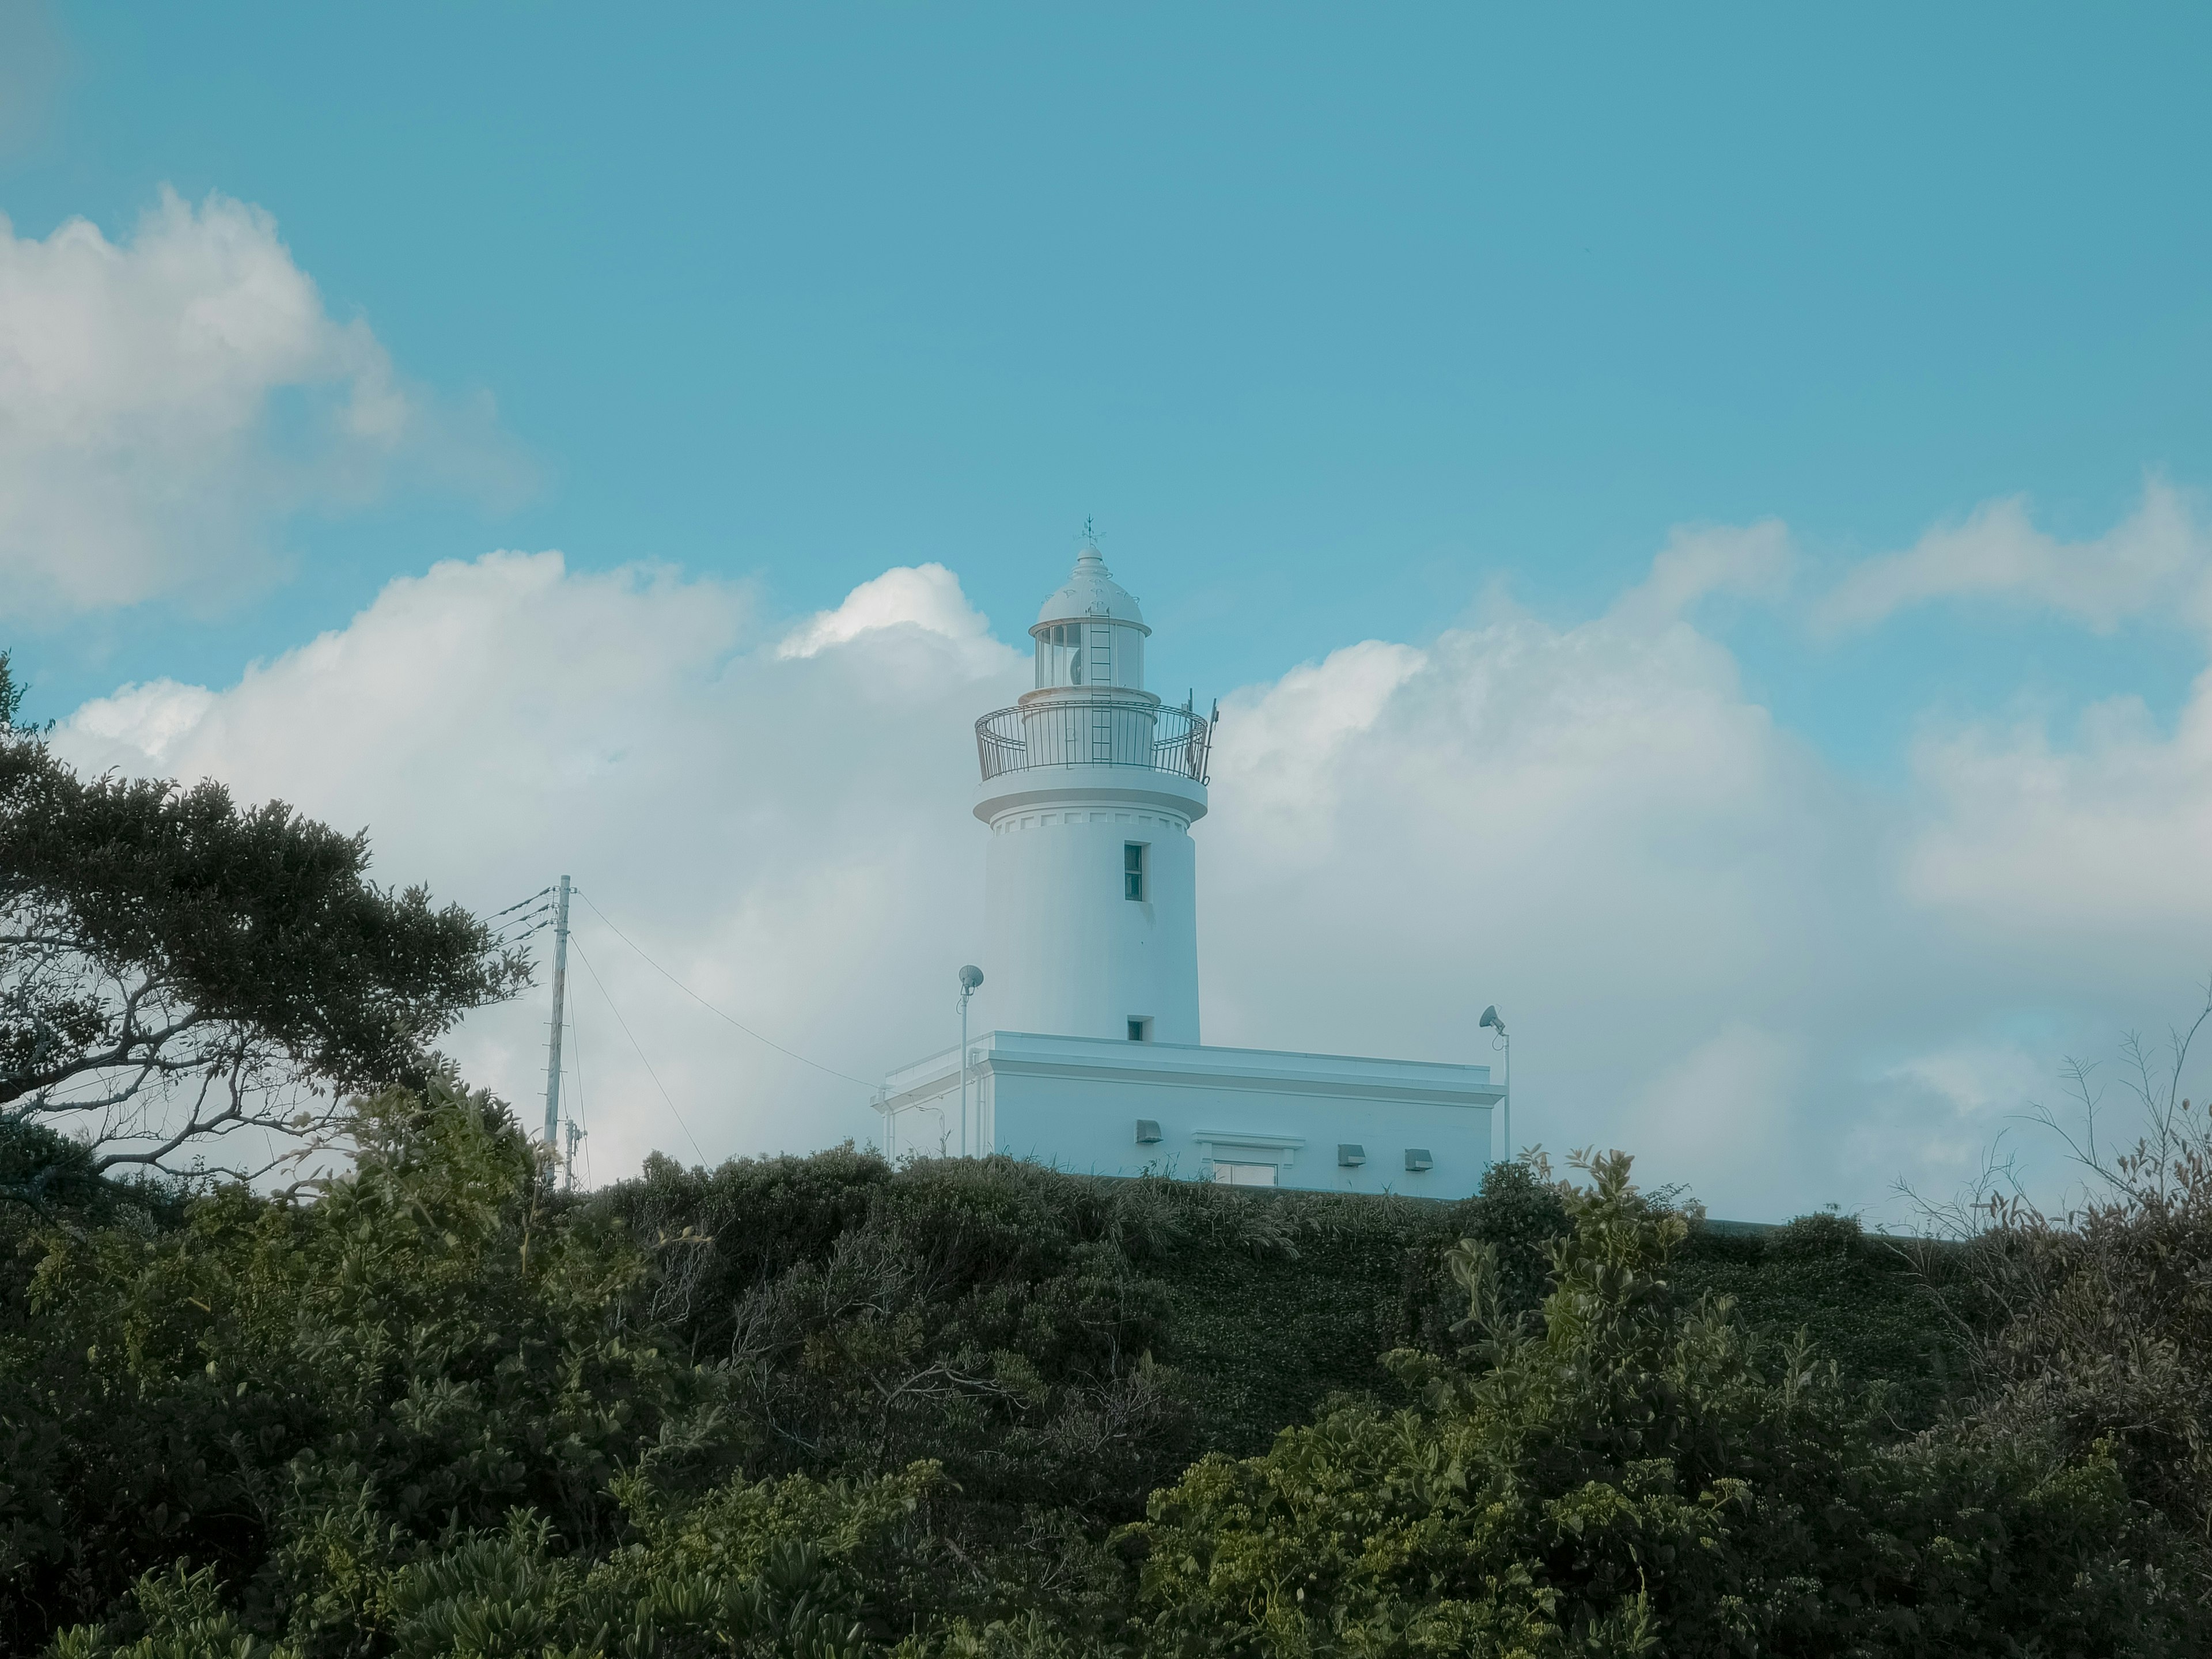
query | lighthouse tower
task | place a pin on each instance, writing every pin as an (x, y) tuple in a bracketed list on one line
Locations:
[(1089, 1057), (1090, 787)]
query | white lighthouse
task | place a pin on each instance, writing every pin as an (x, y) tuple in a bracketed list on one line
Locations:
[(1091, 785)]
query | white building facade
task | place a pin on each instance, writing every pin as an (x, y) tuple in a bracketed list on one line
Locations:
[(1093, 1061)]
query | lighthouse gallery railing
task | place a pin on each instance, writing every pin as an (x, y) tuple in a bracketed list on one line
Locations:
[(1098, 730)]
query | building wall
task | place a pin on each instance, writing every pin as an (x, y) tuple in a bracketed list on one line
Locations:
[(1075, 1104), (1067, 950), (1090, 1126)]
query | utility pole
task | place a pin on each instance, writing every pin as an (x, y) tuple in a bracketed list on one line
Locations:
[(560, 990), (574, 1135)]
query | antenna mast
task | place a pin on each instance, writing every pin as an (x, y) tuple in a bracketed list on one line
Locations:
[(560, 988)]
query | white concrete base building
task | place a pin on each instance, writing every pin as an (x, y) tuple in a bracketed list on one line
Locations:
[(1091, 787)]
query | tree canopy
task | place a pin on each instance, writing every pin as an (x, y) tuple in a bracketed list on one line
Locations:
[(176, 969)]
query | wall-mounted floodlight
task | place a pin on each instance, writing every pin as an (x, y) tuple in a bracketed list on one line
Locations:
[(970, 977), (1490, 1022)]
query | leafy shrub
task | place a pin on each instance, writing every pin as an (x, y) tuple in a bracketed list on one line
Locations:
[(1520, 1214), (2095, 1328), (1628, 1475), (1823, 1233), (300, 1395), (823, 1405)]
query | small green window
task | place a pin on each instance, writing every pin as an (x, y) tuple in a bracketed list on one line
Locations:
[(1132, 870)]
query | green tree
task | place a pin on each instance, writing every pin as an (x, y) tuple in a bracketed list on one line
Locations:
[(176, 969)]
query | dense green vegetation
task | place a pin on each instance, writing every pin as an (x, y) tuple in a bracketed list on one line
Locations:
[(823, 1406)]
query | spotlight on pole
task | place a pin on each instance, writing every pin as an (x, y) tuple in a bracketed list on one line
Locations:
[(1490, 1022), (970, 977)]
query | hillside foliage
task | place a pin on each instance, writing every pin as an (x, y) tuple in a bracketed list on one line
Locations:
[(824, 1406)]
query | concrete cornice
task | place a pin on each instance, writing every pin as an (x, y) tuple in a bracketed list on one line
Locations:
[(1172, 1065), (1052, 787)]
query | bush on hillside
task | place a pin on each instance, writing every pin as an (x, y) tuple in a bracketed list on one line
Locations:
[(823, 1406), (2095, 1328), (1823, 1233), (1520, 1214), (304, 1395), (1629, 1475)]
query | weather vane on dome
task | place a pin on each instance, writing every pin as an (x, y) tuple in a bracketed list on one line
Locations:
[(1089, 535)]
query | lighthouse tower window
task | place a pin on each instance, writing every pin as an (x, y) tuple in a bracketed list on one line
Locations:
[(1132, 870)]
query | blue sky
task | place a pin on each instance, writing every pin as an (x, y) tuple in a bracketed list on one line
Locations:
[(1330, 321), (1344, 326)]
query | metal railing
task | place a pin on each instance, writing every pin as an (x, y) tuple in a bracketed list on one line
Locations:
[(1096, 731)]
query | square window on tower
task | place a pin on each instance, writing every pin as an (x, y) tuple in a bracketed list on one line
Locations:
[(1132, 870)]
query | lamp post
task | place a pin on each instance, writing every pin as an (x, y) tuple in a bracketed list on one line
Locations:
[(1490, 1022), (970, 977)]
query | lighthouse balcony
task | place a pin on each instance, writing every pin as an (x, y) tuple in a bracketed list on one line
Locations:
[(1096, 729)]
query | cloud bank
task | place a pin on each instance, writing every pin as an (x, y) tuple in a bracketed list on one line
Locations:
[(2158, 557), (1781, 984), (166, 401)]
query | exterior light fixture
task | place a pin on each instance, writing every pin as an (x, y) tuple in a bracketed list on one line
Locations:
[(970, 977), (1490, 1022)]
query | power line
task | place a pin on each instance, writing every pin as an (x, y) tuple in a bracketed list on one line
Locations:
[(513, 932), (634, 1043), (518, 905), (831, 1070)]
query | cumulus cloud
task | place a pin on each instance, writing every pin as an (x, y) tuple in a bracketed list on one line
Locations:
[(137, 380), (2158, 556), (925, 596), (1699, 561), (786, 835), (1778, 984), (2082, 846), (1589, 826)]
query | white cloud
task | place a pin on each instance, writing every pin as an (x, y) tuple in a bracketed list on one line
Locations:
[(789, 835), (144, 720), (1284, 752), (926, 596), (1767, 980), (1590, 827), (137, 386), (2079, 849), (2158, 556), (1753, 561), (1727, 1106)]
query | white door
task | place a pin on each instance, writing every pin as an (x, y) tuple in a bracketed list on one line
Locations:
[(1244, 1175)]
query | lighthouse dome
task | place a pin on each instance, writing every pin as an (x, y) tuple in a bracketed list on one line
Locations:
[(1091, 594)]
